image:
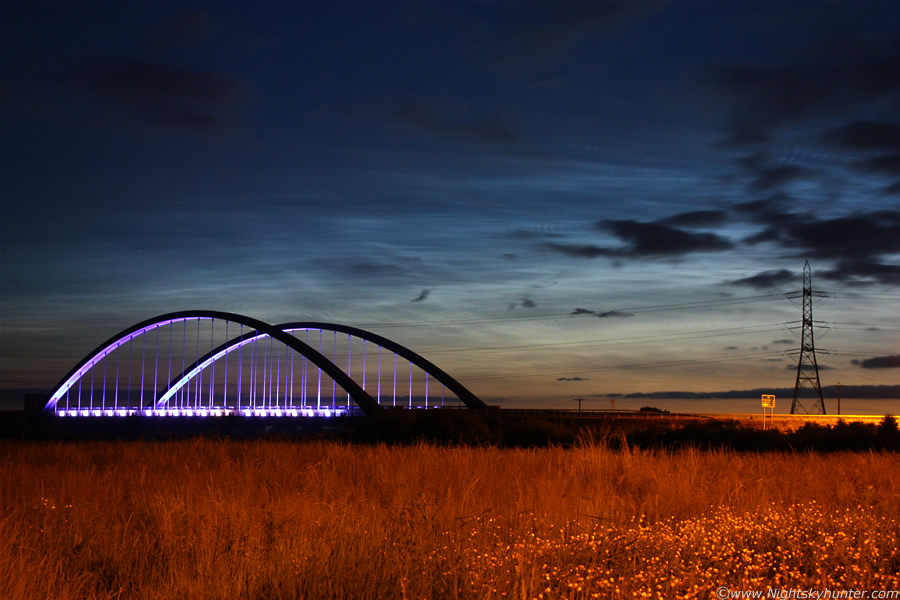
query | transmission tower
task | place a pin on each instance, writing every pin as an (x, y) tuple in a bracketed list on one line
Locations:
[(807, 368)]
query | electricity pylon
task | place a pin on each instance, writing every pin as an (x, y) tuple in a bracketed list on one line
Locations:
[(807, 368)]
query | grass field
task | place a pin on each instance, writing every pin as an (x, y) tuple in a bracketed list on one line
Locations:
[(225, 519)]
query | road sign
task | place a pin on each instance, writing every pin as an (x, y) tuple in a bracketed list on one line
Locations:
[(768, 406)]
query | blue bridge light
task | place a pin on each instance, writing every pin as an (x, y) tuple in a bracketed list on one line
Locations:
[(208, 364)]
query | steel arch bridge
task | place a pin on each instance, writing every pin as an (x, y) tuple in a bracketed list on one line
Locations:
[(213, 363)]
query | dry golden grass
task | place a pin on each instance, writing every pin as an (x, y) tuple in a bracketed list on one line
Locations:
[(224, 519)]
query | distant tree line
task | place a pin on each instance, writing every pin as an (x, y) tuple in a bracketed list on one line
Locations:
[(465, 427), (487, 428)]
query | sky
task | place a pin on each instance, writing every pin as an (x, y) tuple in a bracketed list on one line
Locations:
[(549, 200)]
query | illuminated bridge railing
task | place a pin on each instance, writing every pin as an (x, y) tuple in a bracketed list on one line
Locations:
[(211, 364)]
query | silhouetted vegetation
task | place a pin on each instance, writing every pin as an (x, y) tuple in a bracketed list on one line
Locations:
[(480, 428), (473, 428)]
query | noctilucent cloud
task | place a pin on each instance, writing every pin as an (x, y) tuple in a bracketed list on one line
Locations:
[(549, 200)]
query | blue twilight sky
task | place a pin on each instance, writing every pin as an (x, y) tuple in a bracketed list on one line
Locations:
[(547, 199)]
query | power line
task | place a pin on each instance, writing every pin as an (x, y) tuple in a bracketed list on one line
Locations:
[(678, 363), (639, 339), (557, 316), (843, 324), (851, 352), (855, 296)]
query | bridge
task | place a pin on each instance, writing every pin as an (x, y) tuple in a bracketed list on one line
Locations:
[(205, 363)]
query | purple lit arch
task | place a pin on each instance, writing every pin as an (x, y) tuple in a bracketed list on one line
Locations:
[(258, 330), (461, 392), (359, 395)]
